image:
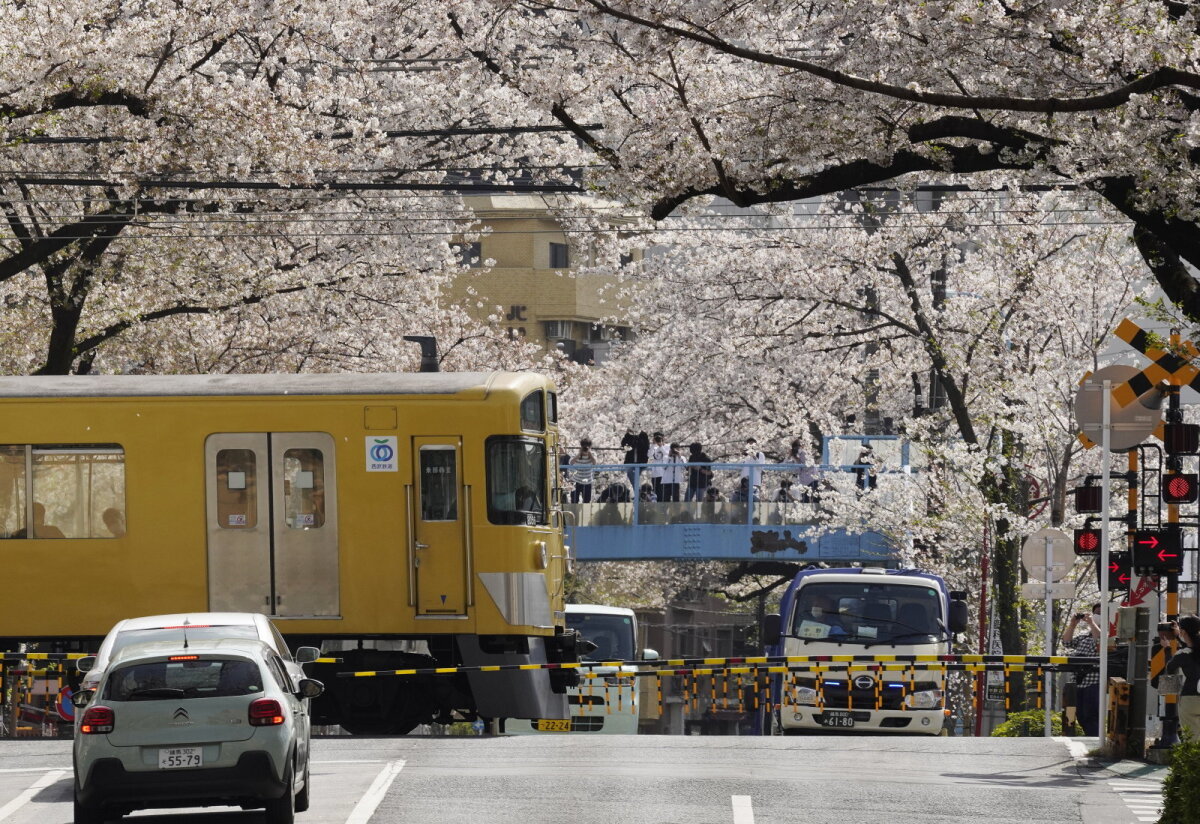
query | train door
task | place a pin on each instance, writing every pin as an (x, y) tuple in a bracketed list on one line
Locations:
[(272, 523), (440, 529)]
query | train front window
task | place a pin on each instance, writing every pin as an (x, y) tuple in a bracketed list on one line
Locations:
[(533, 412), (516, 481), (78, 491)]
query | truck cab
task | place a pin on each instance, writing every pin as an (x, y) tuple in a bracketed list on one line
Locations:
[(860, 612)]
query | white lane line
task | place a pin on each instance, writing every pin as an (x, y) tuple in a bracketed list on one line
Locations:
[(351, 761), (743, 810), (31, 769), (21, 800), (366, 805), (1077, 749)]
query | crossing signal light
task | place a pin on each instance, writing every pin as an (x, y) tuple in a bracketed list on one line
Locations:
[(1181, 438), (1087, 542), (1181, 488), (1087, 499), (1120, 571), (1157, 552)]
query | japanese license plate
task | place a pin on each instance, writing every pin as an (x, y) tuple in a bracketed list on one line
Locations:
[(833, 718), (176, 757), (554, 725)]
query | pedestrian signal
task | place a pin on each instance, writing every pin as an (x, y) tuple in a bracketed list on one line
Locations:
[(1181, 488), (1120, 571), (1087, 542), (1087, 499), (1156, 551)]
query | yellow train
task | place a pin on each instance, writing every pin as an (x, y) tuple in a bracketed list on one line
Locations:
[(395, 520)]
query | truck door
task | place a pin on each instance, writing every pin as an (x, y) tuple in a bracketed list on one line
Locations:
[(272, 523), (439, 550)]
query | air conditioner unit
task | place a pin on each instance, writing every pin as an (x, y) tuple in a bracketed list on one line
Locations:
[(560, 329)]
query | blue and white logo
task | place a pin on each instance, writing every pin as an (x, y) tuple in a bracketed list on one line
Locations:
[(381, 454)]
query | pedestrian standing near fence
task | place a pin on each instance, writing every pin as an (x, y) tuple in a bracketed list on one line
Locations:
[(1186, 660), (581, 467)]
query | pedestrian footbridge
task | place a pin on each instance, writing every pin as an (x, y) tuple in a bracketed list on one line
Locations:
[(619, 525)]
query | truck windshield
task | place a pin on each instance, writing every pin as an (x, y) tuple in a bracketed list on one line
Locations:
[(875, 613), (612, 635)]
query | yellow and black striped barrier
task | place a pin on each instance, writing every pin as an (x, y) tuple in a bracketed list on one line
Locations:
[(783, 663), (43, 656)]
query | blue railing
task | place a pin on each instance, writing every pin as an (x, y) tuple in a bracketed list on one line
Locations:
[(750, 520)]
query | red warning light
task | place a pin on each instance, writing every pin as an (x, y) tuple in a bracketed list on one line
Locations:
[(1181, 488), (1087, 541)]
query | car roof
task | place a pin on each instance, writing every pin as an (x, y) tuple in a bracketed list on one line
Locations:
[(178, 619), (246, 647)]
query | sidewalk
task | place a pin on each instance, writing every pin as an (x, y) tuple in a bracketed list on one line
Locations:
[(1081, 746)]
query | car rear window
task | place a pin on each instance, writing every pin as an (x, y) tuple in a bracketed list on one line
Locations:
[(181, 635), (167, 680)]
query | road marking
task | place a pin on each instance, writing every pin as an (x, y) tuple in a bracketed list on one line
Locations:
[(1077, 749), (743, 810), (30, 769), (21, 800), (366, 805), (351, 761), (1142, 798)]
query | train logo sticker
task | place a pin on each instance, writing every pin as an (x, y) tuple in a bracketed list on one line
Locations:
[(381, 454)]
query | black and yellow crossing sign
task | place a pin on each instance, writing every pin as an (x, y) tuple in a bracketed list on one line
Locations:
[(1176, 368)]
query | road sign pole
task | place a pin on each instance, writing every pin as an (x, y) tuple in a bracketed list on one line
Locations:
[(1105, 458), (1048, 691)]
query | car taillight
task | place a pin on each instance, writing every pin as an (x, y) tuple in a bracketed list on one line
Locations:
[(265, 712), (97, 720)]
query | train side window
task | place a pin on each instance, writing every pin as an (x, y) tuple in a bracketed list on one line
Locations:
[(552, 406), (12, 492), (439, 483), (533, 412), (237, 489), (304, 488), (78, 491)]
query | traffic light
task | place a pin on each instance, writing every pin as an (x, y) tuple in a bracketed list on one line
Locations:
[(1181, 438), (1087, 542), (1156, 551), (1087, 499), (1181, 488), (1119, 571)]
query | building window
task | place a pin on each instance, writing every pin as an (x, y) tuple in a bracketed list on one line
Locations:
[(560, 257), (471, 254)]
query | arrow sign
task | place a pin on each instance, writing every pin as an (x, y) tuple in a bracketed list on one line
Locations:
[(1164, 555), (1156, 551), (1152, 542), (1124, 579)]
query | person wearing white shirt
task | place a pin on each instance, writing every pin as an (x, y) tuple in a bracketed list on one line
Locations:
[(752, 455), (658, 457), (674, 471)]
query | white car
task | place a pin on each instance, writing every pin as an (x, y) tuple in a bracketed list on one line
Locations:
[(192, 627), (206, 723)]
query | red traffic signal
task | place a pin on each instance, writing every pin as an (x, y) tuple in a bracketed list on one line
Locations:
[(1156, 551), (1087, 542), (1120, 571), (1181, 488), (1087, 499)]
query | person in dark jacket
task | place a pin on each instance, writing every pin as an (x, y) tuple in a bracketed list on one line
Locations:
[(1186, 660), (699, 477), (637, 452)]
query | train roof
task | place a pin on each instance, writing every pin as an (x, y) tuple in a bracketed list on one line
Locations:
[(392, 383)]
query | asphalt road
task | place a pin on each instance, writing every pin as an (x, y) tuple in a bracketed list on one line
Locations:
[(654, 779)]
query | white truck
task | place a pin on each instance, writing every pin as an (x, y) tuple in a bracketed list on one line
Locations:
[(863, 611), (607, 703)]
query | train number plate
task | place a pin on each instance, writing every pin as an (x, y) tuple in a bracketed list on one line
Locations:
[(554, 725), (177, 757), (833, 718)]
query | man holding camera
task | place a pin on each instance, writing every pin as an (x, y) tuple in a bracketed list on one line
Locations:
[(1087, 684)]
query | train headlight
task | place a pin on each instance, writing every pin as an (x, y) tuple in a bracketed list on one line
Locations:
[(806, 695), (926, 700)]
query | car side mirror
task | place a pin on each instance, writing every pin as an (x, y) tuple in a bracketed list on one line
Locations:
[(306, 655), (81, 699), (85, 664), (310, 688), (959, 617), (771, 626), (649, 655)]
